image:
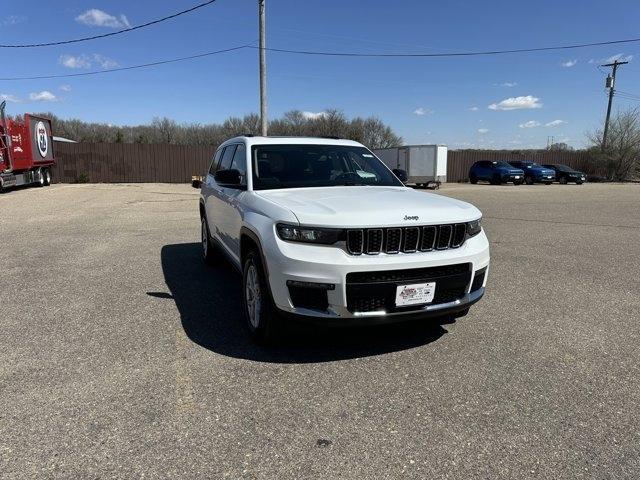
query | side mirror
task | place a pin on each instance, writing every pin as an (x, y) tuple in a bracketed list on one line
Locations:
[(228, 177), (401, 174), (196, 182)]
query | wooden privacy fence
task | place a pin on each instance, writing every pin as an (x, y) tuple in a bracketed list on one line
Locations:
[(129, 162), (161, 163)]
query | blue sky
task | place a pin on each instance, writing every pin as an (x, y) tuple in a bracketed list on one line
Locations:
[(462, 102)]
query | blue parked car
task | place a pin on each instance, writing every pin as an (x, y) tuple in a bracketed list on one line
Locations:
[(495, 172), (534, 172)]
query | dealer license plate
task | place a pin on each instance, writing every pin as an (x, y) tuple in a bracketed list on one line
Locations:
[(415, 294)]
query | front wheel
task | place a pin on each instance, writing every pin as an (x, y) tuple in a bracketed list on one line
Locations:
[(547, 183), (528, 180), (259, 311), (578, 183), (517, 182), (209, 251)]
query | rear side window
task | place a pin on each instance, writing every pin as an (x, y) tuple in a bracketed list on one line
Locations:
[(227, 157), (216, 160), (240, 161)]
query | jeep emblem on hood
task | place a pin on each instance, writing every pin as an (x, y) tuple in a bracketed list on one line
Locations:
[(411, 217)]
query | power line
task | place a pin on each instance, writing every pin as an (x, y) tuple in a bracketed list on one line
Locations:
[(111, 34), (452, 54), (133, 67)]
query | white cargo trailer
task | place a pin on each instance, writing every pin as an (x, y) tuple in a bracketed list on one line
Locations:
[(426, 165)]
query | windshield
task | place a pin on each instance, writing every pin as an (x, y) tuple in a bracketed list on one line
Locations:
[(564, 168), (298, 166), (502, 165)]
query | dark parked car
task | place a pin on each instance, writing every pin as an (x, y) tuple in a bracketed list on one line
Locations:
[(566, 174), (534, 172), (495, 172)]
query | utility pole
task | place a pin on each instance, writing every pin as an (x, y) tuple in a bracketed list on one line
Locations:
[(611, 83), (263, 70)]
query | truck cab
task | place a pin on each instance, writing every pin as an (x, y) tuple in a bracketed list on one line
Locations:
[(26, 151)]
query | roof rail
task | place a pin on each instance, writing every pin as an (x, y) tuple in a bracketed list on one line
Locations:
[(331, 137)]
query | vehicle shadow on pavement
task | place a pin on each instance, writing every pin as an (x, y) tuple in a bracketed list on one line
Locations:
[(209, 302)]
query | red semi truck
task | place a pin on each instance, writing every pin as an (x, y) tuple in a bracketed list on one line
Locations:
[(26, 151)]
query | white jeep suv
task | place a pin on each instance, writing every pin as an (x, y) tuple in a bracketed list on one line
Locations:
[(321, 229)]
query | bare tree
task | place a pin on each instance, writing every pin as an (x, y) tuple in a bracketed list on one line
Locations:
[(370, 131), (622, 154)]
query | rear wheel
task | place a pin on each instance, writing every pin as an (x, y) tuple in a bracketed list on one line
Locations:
[(40, 179), (46, 174), (259, 311), (579, 182), (528, 180), (547, 183), (473, 179)]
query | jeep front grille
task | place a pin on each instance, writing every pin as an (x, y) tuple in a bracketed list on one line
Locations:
[(372, 241)]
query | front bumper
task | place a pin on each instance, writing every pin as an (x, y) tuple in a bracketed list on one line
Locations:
[(513, 177), (297, 263)]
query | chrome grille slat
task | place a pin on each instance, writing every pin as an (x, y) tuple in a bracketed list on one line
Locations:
[(393, 240), (429, 234), (445, 232), (375, 237), (411, 239), (355, 240)]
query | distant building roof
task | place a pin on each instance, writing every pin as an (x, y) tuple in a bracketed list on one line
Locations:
[(62, 139)]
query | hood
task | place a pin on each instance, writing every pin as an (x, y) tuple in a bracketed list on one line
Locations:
[(359, 206), (542, 170)]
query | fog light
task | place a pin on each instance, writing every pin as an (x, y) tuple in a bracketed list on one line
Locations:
[(319, 286)]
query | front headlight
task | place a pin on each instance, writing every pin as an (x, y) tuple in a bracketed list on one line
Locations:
[(474, 227), (323, 236)]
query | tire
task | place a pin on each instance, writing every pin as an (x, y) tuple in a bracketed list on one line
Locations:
[(261, 316), (547, 183), (40, 181), (528, 180), (473, 179), (563, 180), (46, 173), (579, 183), (517, 182), (210, 253)]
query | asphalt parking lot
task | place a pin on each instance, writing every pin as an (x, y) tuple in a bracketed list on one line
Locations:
[(122, 356)]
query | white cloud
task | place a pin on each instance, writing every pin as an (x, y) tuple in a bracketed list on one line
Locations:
[(505, 84), (516, 103), (422, 111), (313, 115), (473, 109), (12, 20), (530, 124), (621, 57), (569, 63), (483, 130), (65, 88), (43, 96), (87, 61), (9, 98), (70, 61), (99, 18), (104, 62), (554, 123)]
